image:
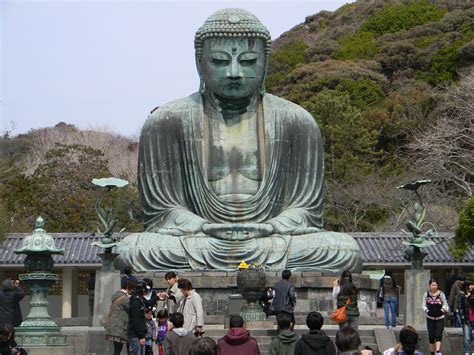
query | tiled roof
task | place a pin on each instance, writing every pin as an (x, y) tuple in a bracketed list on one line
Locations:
[(387, 247), (377, 248), (77, 248)]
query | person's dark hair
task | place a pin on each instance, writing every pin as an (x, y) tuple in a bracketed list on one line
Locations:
[(170, 275), (389, 272), (140, 288), (286, 274), (433, 280), (127, 270), (314, 321), (177, 319), (236, 321), (148, 282), (128, 284), (185, 284), (283, 320), (203, 346), (148, 310), (162, 313), (5, 332), (347, 288), (347, 339), (466, 285), (409, 339), (460, 277)]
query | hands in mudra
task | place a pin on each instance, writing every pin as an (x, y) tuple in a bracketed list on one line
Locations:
[(239, 231)]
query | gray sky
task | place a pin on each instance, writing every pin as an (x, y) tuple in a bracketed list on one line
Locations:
[(108, 63)]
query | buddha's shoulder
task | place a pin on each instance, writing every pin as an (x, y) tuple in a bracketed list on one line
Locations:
[(276, 103), (176, 108)]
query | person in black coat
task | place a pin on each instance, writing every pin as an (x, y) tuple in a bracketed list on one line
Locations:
[(10, 296), (8, 346), (316, 342), (136, 320)]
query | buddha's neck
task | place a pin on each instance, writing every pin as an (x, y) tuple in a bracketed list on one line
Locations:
[(232, 108)]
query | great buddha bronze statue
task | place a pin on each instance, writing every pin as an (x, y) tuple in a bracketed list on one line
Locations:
[(231, 173)]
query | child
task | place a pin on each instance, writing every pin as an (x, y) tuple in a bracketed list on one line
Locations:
[(163, 327), (151, 329)]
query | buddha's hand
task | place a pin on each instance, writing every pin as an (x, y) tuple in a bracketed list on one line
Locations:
[(283, 230), (237, 231)]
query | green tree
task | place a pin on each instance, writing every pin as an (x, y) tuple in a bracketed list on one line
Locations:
[(464, 233), (348, 142)]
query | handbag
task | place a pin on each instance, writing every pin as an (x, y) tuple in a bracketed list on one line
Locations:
[(339, 315), (380, 295)]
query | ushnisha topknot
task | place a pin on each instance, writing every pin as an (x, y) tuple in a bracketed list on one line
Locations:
[(232, 23)]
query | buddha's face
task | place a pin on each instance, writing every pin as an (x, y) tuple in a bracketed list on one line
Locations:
[(232, 67)]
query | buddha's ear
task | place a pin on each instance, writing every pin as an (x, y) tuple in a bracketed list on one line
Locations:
[(202, 84), (262, 85)]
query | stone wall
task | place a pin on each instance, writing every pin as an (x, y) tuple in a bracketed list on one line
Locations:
[(314, 290)]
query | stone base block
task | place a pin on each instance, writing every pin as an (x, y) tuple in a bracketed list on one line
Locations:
[(57, 350), (219, 292), (263, 324)]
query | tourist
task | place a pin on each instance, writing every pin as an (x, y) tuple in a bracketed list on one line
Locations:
[(116, 324), (179, 340), (8, 346), (407, 345), (150, 331), (316, 341), (470, 300), (285, 296), (204, 346), (346, 294), (453, 298), (150, 298), (237, 341), (163, 326), (10, 296), (463, 313), (284, 343), (172, 295), (266, 301), (127, 275), (191, 307), (435, 306), (389, 291), (347, 341), (136, 320)]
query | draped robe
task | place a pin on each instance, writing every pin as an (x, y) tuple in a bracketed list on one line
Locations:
[(178, 200)]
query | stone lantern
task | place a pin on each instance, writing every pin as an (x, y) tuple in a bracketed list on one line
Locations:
[(38, 329)]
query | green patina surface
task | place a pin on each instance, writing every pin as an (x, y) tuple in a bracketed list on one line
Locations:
[(231, 173)]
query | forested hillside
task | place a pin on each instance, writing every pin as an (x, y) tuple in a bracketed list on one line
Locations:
[(390, 83)]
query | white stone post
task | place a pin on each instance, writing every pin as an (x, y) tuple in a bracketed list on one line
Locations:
[(416, 285)]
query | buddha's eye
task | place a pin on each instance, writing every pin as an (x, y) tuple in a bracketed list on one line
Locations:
[(220, 62), (248, 62), (248, 59)]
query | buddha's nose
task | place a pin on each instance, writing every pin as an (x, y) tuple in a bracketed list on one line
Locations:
[(234, 70)]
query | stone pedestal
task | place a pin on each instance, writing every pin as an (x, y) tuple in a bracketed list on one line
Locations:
[(221, 297), (106, 283), (416, 284), (63, 350)]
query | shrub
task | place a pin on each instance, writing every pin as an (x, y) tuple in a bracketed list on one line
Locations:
[(360, 45), (396, 18)]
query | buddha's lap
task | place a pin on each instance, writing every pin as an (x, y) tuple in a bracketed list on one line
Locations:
[(305, 242)]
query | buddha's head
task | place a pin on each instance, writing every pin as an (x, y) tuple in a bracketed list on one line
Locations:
[(232, 49)]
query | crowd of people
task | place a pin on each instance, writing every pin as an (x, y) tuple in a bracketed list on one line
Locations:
[(173, 320), (142, 319)]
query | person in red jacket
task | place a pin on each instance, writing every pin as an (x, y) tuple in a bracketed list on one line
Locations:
[(237, 341)]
